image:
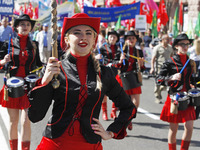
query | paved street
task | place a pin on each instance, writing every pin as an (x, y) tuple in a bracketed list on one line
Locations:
[(149, 133)]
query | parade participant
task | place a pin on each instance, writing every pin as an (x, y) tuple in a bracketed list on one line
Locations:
[(111, 54), (131, 69), (178, 82), (20, 61), (74, 122), (161, 53)]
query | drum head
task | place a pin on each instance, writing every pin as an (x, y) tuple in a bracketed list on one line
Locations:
[(15, 82), (194, 93), (31, 78)]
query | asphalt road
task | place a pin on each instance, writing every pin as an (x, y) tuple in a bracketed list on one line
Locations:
[(149, 132)]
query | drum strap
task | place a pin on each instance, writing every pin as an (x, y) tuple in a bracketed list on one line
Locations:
[(34, 47)]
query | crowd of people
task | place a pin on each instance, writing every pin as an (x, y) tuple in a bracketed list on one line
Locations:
[(94, 64)]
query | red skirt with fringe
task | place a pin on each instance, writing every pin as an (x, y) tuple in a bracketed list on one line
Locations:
[(14, 103), (181, 117), (137, 90), (66, 141)]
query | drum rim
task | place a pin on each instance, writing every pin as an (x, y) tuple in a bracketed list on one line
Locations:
[(31, 80), (21, 82), (194, 95), (186, 97)]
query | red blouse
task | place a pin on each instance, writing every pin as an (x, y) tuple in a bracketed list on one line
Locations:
[(23, 55)]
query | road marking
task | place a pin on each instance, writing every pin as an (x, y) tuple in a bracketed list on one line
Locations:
[(148, 114)]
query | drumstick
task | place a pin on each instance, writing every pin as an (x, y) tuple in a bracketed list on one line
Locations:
[(137, 58), (36, 69), (99, 52), (122, 52), (184, 66)]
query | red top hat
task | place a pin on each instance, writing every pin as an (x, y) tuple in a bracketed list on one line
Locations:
[(78, 19)]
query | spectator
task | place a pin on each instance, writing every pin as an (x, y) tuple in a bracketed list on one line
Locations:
[(44, 40), (147, 38), (5, 31), (156, 40), (161, 53)]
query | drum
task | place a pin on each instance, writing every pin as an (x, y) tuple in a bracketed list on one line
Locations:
[(183, 100), (130, 80), (194, 95), (30, 81), (15, 87)]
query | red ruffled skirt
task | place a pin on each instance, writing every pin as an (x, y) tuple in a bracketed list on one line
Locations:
[(68, 142), (14, 103), (137, 90), (181, 117)]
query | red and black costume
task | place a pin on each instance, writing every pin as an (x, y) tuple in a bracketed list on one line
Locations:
[(23, 60), (131, 65), (76, 102), (169, 68), (111, 55)]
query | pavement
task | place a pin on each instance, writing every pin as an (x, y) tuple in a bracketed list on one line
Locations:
[(149, 132)]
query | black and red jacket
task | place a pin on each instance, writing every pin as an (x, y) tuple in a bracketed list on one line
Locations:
[(171, 67), (134, 67), (108, 58), (66, 99), (14, 53)]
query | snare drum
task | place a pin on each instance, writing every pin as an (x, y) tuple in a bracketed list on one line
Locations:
[(194, 95), (30, 81), (130, 80), (183, 100), (15, 87)]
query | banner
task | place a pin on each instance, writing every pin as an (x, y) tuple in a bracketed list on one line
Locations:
[(6, 7), (141, 23), (112, 14), (64, 10)]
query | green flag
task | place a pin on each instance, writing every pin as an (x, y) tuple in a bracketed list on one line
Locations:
[(190, 29), (197, 27), (154, 25), (118, 24), (175, 27)]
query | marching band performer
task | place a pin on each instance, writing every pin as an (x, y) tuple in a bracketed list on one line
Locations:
[(111, 54), (20, 60), (74, 122), (130, 77), (178, 82)]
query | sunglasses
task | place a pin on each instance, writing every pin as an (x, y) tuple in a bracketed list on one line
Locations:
[(184, 44)]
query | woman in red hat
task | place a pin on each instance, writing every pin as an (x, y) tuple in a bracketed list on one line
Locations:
[(110, 54), (74, 122), (130, 67), (18, 61), (179, 83)]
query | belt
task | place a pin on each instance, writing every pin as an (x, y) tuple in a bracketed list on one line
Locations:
[(45, 46)]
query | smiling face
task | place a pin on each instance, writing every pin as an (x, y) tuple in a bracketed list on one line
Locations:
[(112, 39), (182, 46), (81, 40), (24, 27)]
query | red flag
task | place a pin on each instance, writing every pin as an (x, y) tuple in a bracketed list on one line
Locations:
[(162, 13), (94, 3), (25, 9), (35, 13), (180, 20), (114, 3), (30, 10), (133, 2), (145, 10)]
